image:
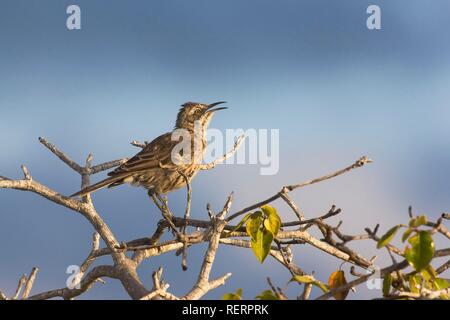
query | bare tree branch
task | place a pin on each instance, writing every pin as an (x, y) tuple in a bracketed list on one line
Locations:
[(87, 283), (300, 215), (75, 166), (203, 284), (138, 144), (443, 267), (359, 163), (214, 231), (20, 285), (187, 215), (29, 283), (306, 291)]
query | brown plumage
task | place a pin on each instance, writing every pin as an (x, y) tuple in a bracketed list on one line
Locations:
[(156, 167)]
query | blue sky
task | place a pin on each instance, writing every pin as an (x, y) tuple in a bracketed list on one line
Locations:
[(311, 69)]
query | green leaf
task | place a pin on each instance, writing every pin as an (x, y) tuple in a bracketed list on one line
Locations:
[(273, 222), (233, 296), (387, 283), (261, 245), (406, 234), (241, 223), (421, 221), (303, 279), (414, 283), (310, 279), (269, 210), (429, 274), (267, 295), (322, 287), (418, 221), (422, 251), (441, 284), (253, 224), (387, 237), (444, 296)]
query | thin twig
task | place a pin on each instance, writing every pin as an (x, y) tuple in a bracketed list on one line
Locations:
[(165, 211), (29, 283), (203, 284), (21, 283), (306, 291), (61, 155), (26, 174), (87, 283), (359, 163), (383, 272), (293, 206), (107, 165), (187, 215), (213, 164), (139, 144), (443, 267)]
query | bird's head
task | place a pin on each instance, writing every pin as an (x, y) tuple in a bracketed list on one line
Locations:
[(190, 112)]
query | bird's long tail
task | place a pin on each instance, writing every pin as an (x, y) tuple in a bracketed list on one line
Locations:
[(104, 183)]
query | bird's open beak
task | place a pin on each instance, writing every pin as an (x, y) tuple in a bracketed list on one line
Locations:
[(210, 107)]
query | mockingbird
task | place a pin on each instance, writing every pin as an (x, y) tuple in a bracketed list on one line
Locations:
[(160, 167)]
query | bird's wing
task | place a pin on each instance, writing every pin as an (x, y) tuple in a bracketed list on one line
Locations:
[(153, 155)]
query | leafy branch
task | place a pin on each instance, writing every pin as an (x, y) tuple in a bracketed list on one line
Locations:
[(260, 230)]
